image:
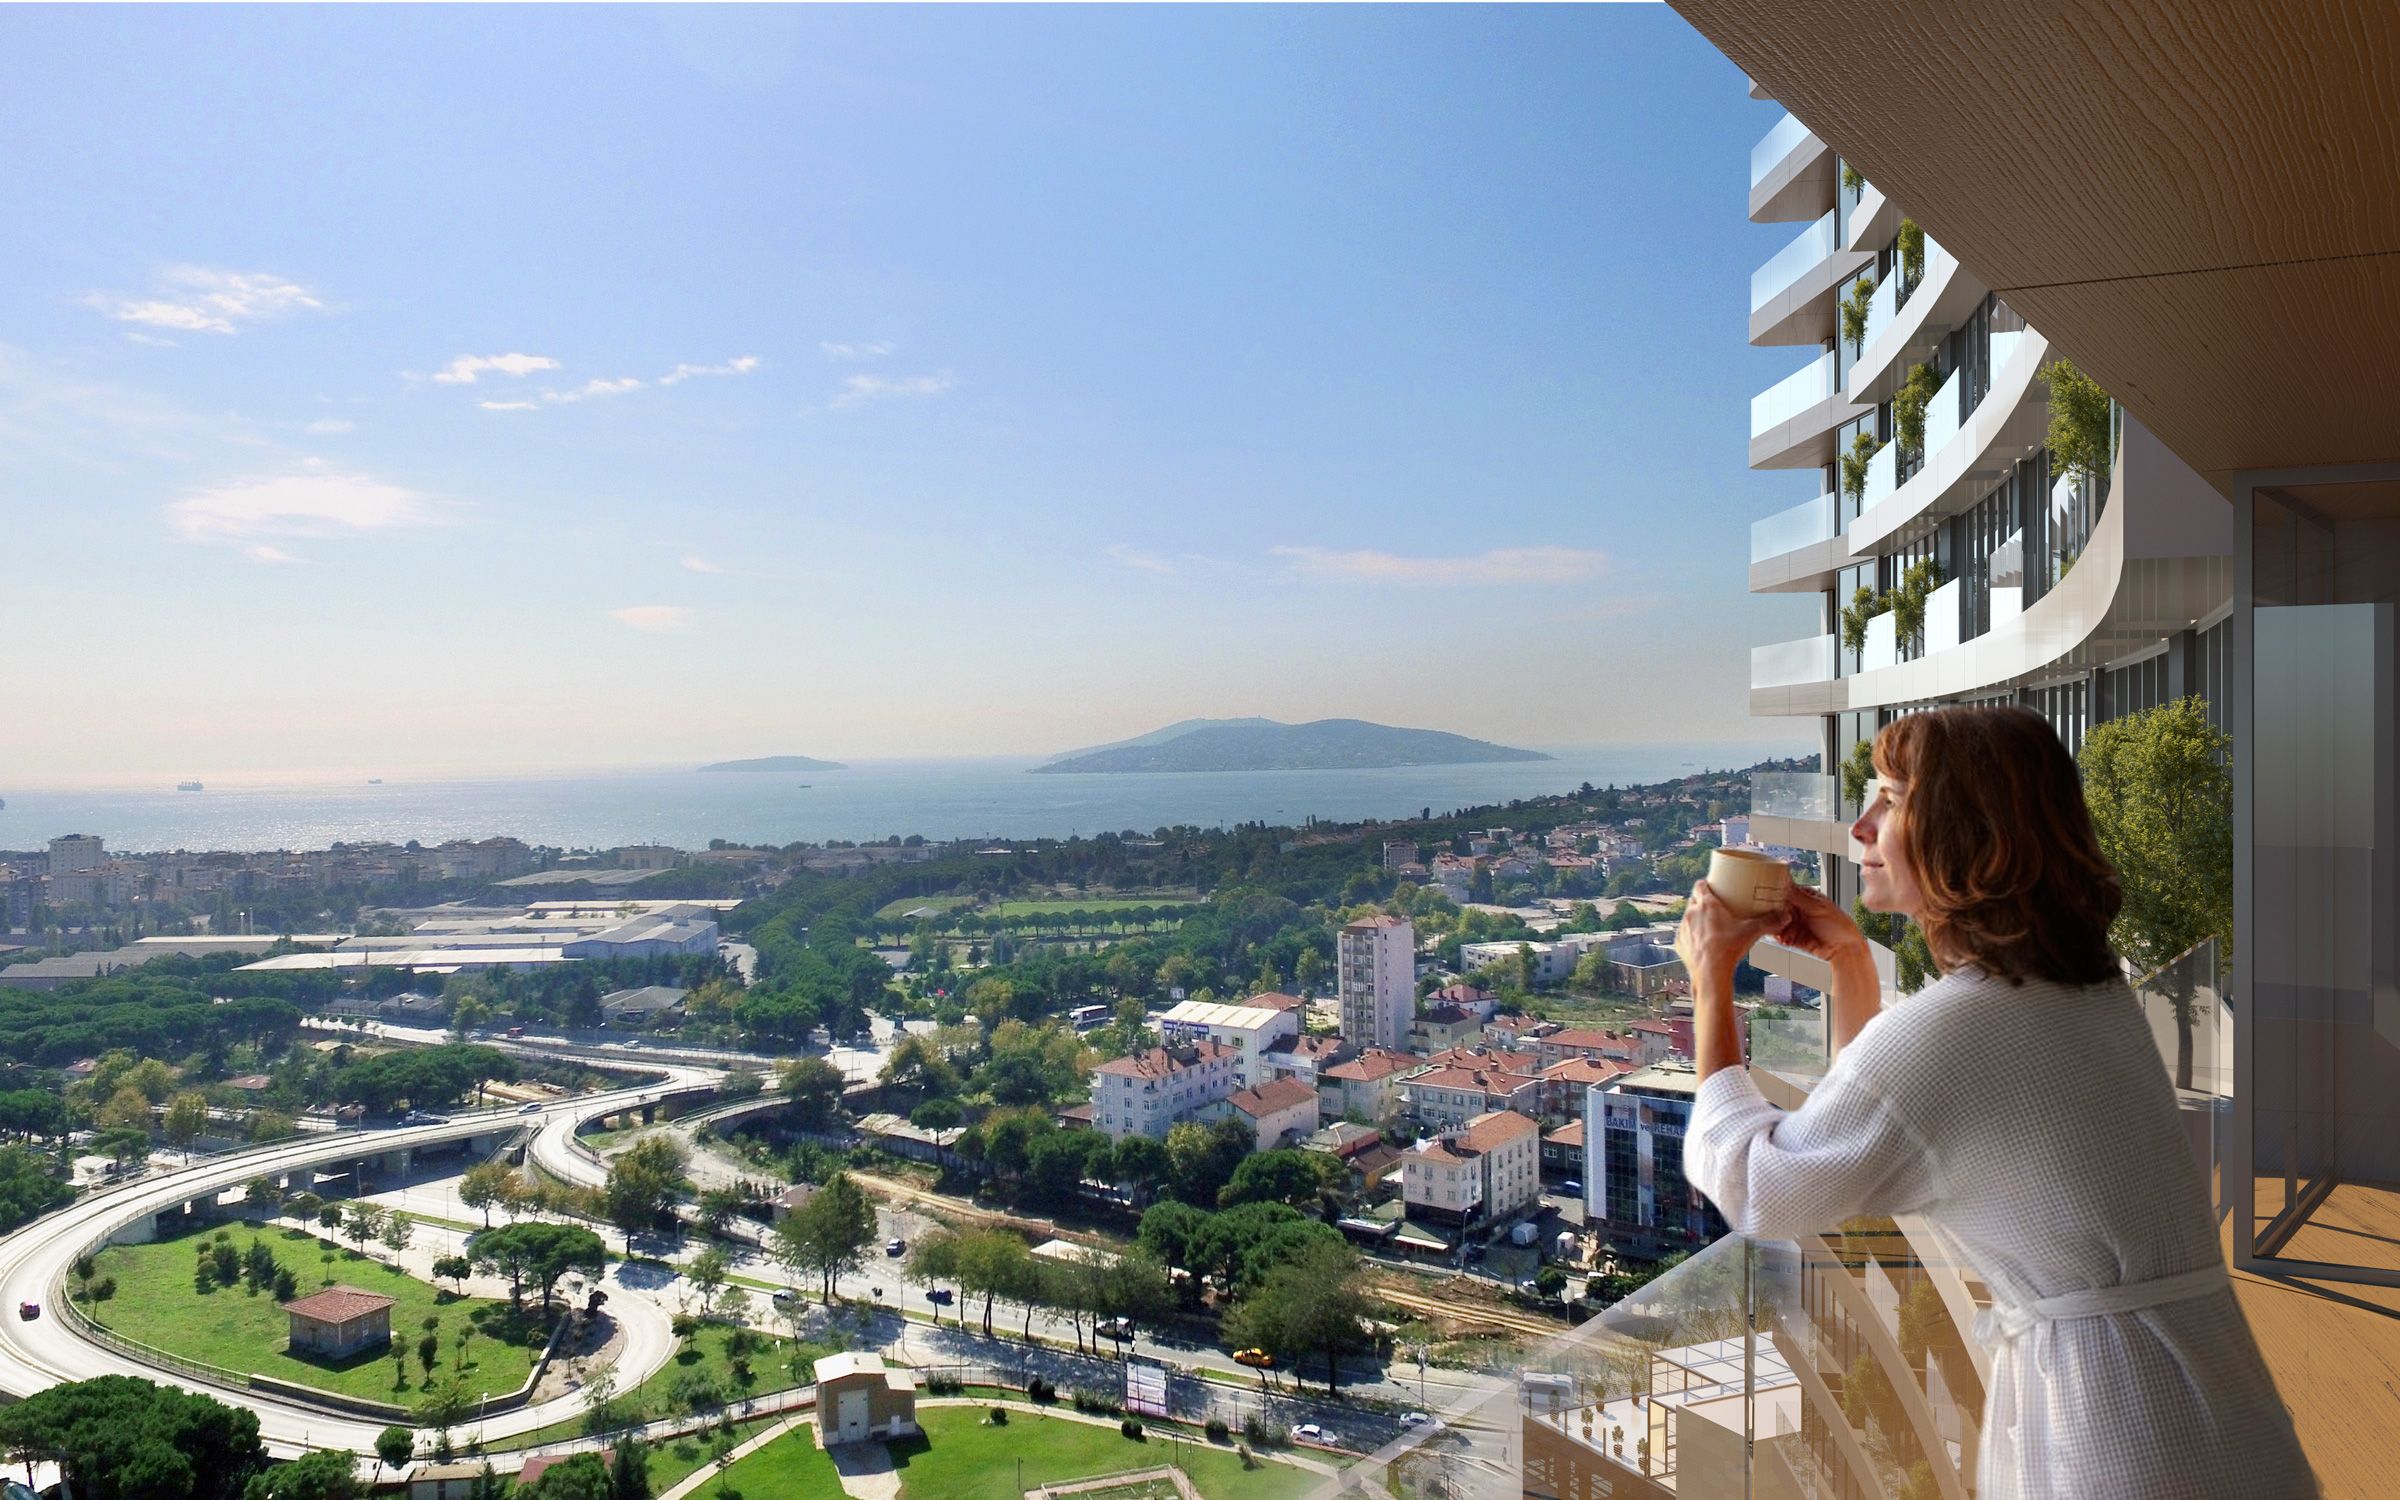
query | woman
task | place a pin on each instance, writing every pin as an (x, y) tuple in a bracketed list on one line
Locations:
[(2018, 1103)]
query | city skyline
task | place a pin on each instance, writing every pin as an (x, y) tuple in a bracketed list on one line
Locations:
[(559, 396)]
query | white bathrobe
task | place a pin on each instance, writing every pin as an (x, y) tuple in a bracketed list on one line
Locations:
[(2034, 1124)]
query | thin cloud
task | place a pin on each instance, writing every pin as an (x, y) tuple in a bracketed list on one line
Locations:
[(315, 503), (653, 619), (693, 563), (741, 365), (592, 388), (330, 425), (1139, 559), (201, 299), (1601, 610), (468, 368), (863, 388), (510, 405), (1504, 565), (875, 350)]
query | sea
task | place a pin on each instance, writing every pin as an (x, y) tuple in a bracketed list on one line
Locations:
[(939, 799)]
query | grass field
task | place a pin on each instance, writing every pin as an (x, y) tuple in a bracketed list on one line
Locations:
[(960, 1458), (892, 911), (1094, 904), (673, 1460), (791, 1465), (234, 1329)]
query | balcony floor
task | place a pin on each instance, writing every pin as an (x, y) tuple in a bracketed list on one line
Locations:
[(2334, 1347)]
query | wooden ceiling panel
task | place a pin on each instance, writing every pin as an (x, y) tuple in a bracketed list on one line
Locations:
[(2197, 200)]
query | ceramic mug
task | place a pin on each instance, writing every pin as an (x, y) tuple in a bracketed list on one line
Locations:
[(1750, 883)]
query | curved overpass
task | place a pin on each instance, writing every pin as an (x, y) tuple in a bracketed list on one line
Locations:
[(34, 1261)]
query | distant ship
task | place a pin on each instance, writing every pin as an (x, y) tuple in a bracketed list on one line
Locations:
[(189, 786), (374, 781)]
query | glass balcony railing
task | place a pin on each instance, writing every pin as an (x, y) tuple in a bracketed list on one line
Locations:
[(1881, 307), (1805, 524), (1812, 795), (1790, 663), (1883, 477), (1808, 248), (1780, 141), (2004, 348), (1794, 394), (1946, 413), (1945, 616), (1883, 643)]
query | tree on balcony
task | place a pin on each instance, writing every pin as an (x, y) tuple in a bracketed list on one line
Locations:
[(1863, 448), (1912, 252), (1852, 180), (2078, 435), (1907, 603), (1854, 313), (2160, 788), (1908, 407), (1864, 605)]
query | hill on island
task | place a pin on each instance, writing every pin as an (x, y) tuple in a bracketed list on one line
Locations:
[(1267, 745), (777, 763)]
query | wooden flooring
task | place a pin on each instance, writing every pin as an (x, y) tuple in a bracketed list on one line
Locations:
[(2334, 1346)]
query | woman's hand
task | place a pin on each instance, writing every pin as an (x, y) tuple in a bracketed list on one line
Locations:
[(1712, 940), (1812, 924)]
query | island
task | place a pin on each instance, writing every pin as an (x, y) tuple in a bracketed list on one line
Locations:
[(777, 763), (1268, 745)]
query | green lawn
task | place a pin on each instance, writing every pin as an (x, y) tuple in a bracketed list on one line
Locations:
[(701, 1357), (673, 1460), (791, 1465), (1089, 904), (892, 911), (233, 1329), (961, 1458)]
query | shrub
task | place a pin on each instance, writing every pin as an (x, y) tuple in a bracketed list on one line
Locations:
[(943, 1385), (1041, 1391), (1242, 1451), (1254, 1427), (685, 1325), (1217, 1431), (103, 1288), (999, 1416), (1132, 1429)]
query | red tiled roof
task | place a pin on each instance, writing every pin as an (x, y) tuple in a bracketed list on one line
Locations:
[(1276, 1000), (340, 1304), (1584, 1070), (1372, 1065), (1655, 1028), (1158, 1062), (1569, 1134), (1369, 924), (1273, 1096), (1497, 1128)]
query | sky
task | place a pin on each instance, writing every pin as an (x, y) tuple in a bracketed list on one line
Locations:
[(463, 389)]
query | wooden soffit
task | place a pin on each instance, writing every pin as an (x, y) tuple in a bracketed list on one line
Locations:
[(2198, 201)]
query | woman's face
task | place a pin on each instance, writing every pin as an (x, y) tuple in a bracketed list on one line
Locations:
[(1887, 883)]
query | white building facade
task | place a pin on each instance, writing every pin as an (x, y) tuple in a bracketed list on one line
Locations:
[(1376, 977)]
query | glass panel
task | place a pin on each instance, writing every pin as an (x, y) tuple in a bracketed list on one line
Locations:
[(1792, 395), (1808, 248), (1793, 794), (1944, 416), (1809, 659), (1780, 141), (1809, 522)]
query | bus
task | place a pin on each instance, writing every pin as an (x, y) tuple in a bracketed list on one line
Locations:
[(1089, 1017)]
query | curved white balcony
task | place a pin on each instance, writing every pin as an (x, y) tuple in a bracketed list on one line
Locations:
[(1800, 810), (1792, 174), (1904, 333), (1792, 296), (1798, 550), (2158, 559), (1966, 452), (1795, 677), (1792, 421), (1874, 219)]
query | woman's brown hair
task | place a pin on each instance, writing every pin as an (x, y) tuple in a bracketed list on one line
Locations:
[(2002, 845)]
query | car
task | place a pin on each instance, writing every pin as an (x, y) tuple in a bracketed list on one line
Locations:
[(1475, 1252), (895, 1247), (29, 1310), (782, 1296), (1310, 1432), (531, 1107), (1570, 1189), (1414, 1419), (630, 1043), (1256, 1359), (1117, 1328), (940, 1296)]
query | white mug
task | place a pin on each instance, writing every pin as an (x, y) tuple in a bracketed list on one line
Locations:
[(1750, 883)]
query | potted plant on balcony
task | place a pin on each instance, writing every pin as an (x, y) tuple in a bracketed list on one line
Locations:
[(1912, 254), (1908, 603), (1864, 605), (1855, 306), (1852, 180), (1908, 408), (1863, 448), (2078, 435)]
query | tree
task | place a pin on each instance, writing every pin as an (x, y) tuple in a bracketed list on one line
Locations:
[(327, 1474), (122, 1438), (1168, 1229), (395, 1446), (29, 1186), (398, 1230), (453, 1268), (187, 1119), (486, 1186), (815, 1088), (1142, 1164), (1056, 1163), (707, 1273), (629, 1471), (582, 1477), (645, 1182), (363, 1222), (539, 1253), (1202, 1158), (992, 1264), (429, 1350), (1294, 1178), (1313, 1306), (2161, 796), (2079, 428), (828, 1234)]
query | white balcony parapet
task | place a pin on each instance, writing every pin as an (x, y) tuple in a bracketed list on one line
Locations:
[(1945, 618), (1881, 307), (1790, 663), (2008, 561), (1794, 394), (1782, 138), (1883, 643), (1883, 471), (1794, 794), (1807, 248), (2004, 344), (1808, 522), (1944, 415), (2008, 602)]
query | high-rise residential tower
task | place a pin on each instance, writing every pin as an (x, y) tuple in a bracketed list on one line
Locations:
[(1376, 976)]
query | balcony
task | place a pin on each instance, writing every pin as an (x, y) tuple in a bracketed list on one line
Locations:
[(1945, 413), (1799, 810), (1792, 174), (1883, 477), (1946, 616), (1874, 219), (1968, 449), (1809, 522), (1798, 550), (1792, 421), (1883, 643), (1794, 677), (1907, 333), (1792, 296)]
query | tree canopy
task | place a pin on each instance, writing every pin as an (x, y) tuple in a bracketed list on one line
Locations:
[(122, 1438)]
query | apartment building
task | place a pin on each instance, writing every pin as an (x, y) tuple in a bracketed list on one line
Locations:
[(71, 852), (1633, 1131), (1484, 1170), (1368, 1086), (1444, 1098), (1376, 977), (1250, 1030), (1280, 1112), (1148, 1093)]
